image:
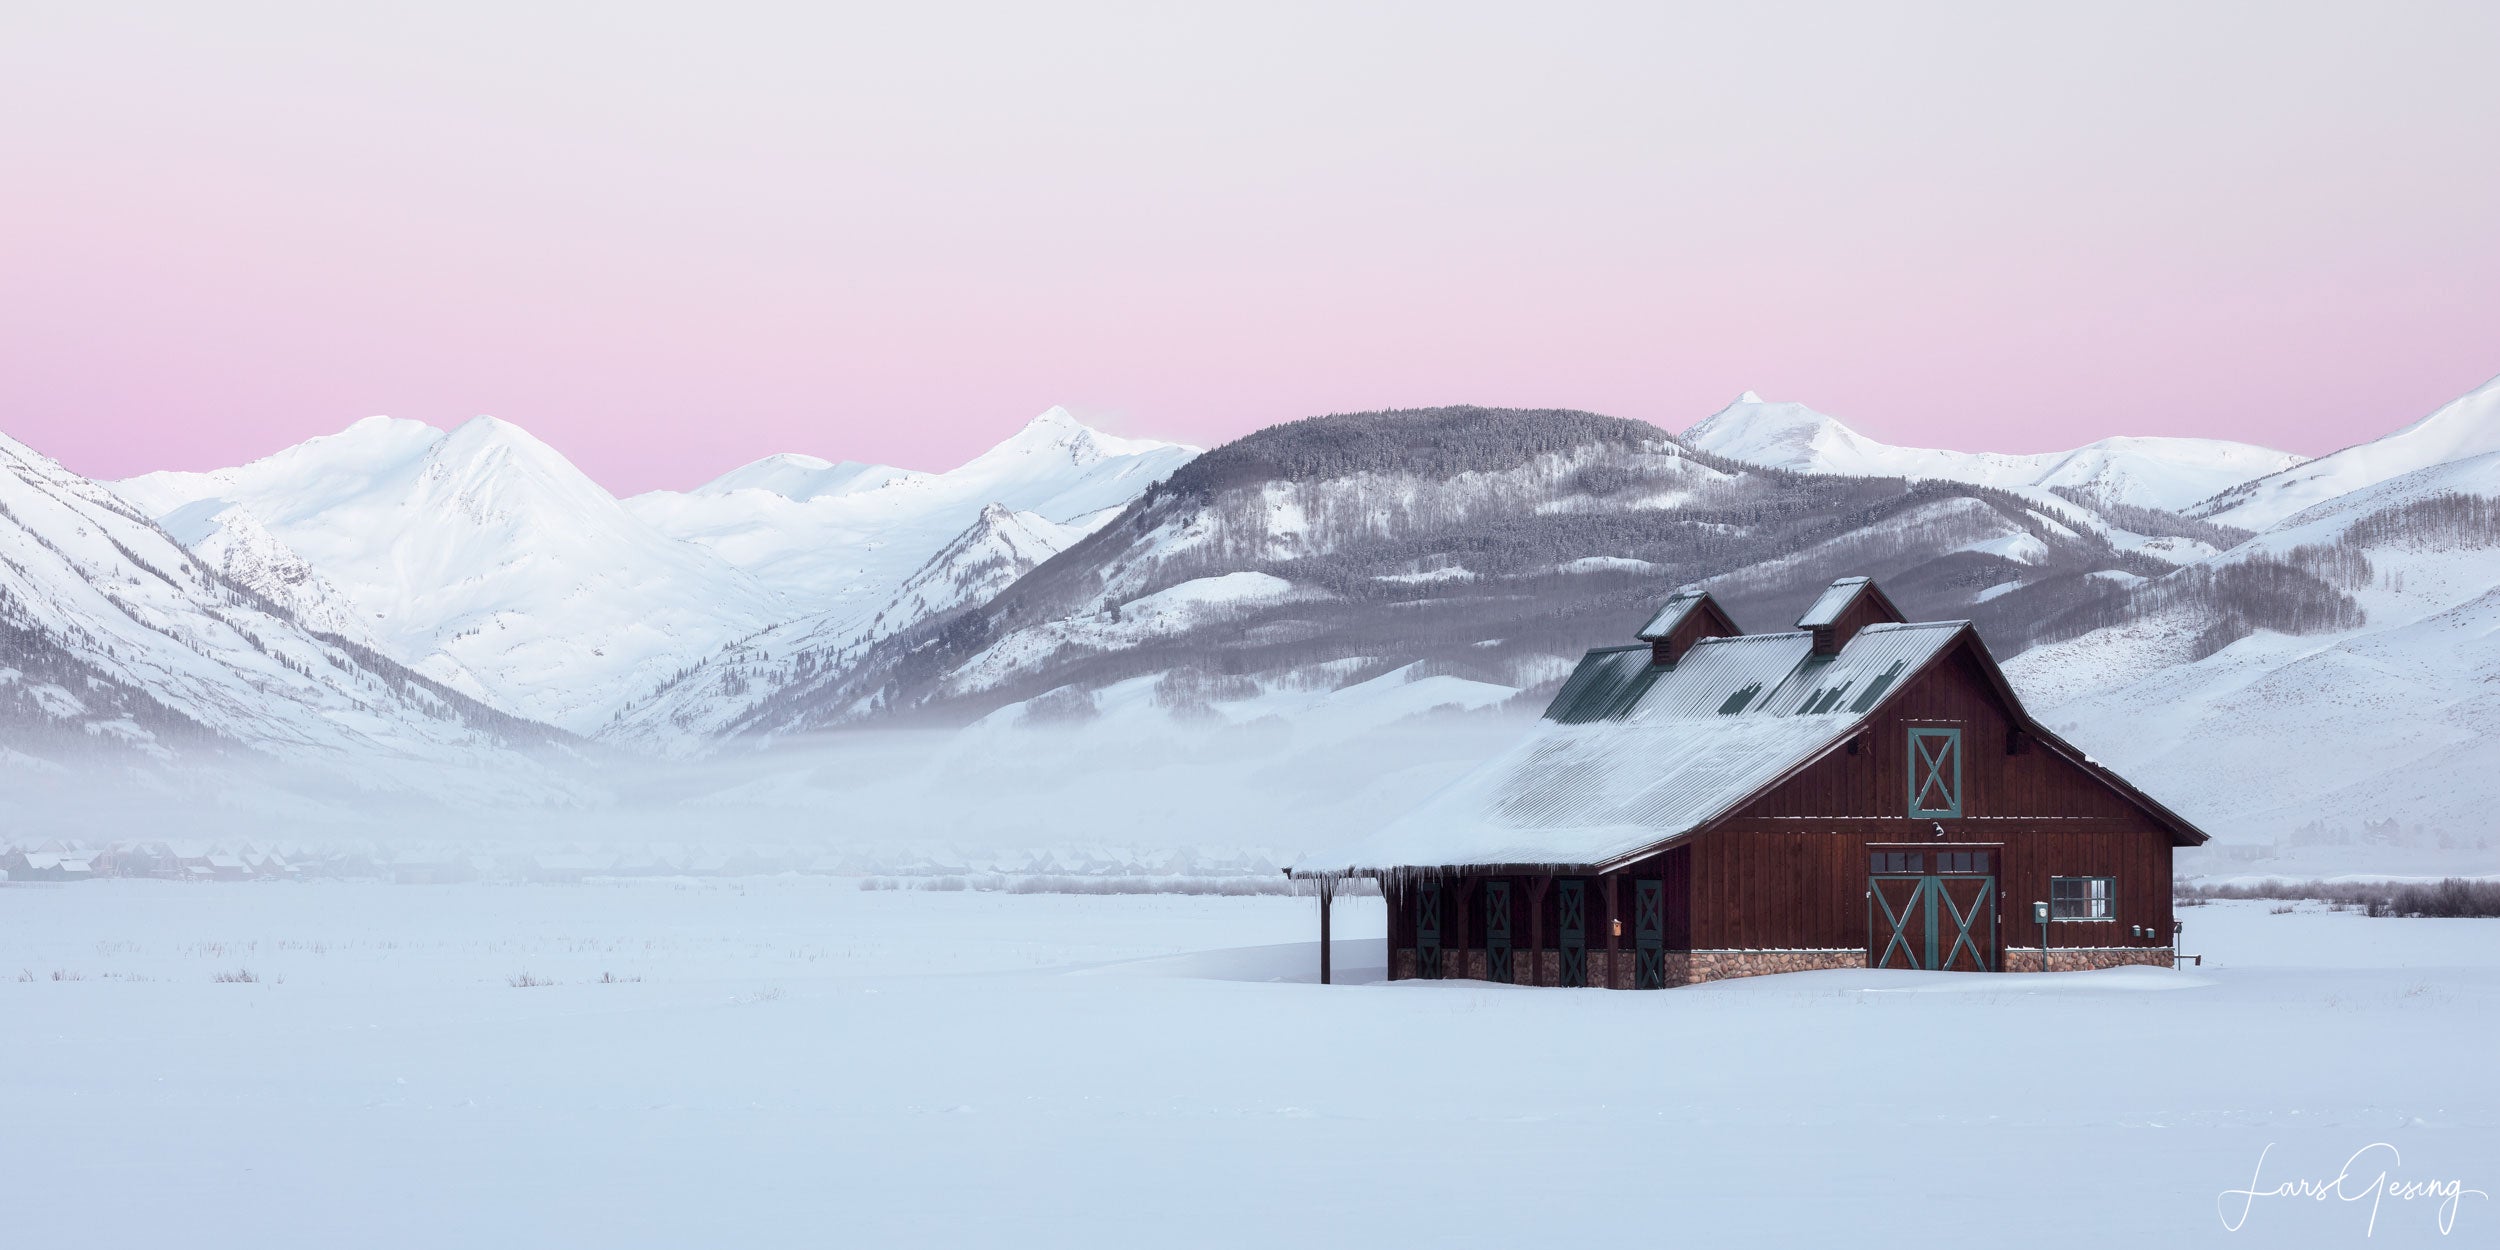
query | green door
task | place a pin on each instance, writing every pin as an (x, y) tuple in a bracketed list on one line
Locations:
[(1649, 935), (1940, 921), (1428, 930), (1571, 929)]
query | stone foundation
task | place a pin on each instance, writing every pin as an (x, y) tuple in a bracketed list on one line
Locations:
[(1695, 967), (2084, 958), (1724, 965), (1619, 972)]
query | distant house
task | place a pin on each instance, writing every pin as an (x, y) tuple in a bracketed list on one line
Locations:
[(46, 866), (1858, 791)]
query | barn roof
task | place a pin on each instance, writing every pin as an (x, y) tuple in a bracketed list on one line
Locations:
[(1632, 755), (1685, 746)]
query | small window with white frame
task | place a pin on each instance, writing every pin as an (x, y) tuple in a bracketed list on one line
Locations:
[(2083, 898)]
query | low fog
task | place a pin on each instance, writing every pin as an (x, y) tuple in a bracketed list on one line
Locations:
[(1112, 797)]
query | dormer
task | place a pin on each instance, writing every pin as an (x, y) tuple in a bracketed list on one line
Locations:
[(1844, 608), (1688, 616)]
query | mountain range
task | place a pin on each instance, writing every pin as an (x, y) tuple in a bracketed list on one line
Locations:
[(397, 590)]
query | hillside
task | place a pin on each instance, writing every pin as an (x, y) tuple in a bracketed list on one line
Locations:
[(118, 646), (1489, 544)]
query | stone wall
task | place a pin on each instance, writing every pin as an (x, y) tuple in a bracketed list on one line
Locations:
[(2085, 958), (1695, 967)]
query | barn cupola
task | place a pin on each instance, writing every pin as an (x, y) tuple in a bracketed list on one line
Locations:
[(1688, 616), (1844, 608)]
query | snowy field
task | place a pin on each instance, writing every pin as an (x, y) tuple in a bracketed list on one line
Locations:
[(786, 1062)]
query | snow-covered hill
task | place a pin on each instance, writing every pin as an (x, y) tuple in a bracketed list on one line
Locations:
[(860, 553), (116, 643), (481, 557), (484, 559), (834, 535), (2332, 680), (2464, 427), (1492, 544), (2165, 473)]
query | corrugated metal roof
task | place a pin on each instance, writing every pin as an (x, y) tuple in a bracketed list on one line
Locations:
[(1606, 681), (1828, 606), (1671, 614), (1690, 743)]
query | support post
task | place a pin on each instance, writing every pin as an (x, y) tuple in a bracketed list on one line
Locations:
[(1614, 934), (1327, 895), (1536, 929)]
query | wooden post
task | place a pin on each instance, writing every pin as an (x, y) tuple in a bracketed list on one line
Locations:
[(1614, 934), (1327, 894), (1462, 891), (1536, 930)]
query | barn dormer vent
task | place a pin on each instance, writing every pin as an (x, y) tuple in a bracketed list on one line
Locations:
[(1844, 608), (1687, 617)]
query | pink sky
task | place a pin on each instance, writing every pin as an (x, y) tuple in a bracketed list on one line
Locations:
[(668, 243)]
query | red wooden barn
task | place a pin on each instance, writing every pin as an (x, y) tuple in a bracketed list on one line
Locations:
[(1859, 791)]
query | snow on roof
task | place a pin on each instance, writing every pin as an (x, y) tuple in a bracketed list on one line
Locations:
[(1734, 716), (1829, 605), (1672, 613)]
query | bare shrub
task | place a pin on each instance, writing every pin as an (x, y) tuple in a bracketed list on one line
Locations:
[(525, 981), (240, 976), (2452, 897)]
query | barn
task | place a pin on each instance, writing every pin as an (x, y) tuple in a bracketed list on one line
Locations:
[(1859, 791)]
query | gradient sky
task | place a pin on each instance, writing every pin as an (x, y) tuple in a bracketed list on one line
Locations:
[(669, 240)]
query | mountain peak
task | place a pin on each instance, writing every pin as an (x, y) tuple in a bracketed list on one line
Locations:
[(1786, 435), (1058, 433)]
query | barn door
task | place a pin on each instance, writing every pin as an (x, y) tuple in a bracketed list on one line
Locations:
[(1497, 931), (1571, 929), (1428, 930), (1897, 916), (1944, 920), (1649, 934), (1966, 923)]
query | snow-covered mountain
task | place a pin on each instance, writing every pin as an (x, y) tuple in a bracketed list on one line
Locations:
[(836, 535), (118, 643), (2164, 473), (730, 687), (2464, 427), (861, 553), (2338, 671), (482, 558), (1493, 545)]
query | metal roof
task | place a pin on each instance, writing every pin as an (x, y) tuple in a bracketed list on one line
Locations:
[(1606, 682), (1689, 743), (1834, 600), (1672, 613)]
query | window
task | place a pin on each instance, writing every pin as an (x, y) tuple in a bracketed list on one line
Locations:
[(1935, 773), (1975, 862), (2083, 898), (1880, 862)]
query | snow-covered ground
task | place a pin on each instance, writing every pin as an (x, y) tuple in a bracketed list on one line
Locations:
[(798, 1062)]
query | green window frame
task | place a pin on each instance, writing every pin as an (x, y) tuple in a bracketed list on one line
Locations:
[(2083, 898), (1935, 774)]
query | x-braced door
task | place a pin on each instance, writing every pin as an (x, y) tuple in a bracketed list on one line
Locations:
[(1941, 923), (1427, 930), (1571, 929), (1497, 930), (1966, 919), (1649, 934)]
